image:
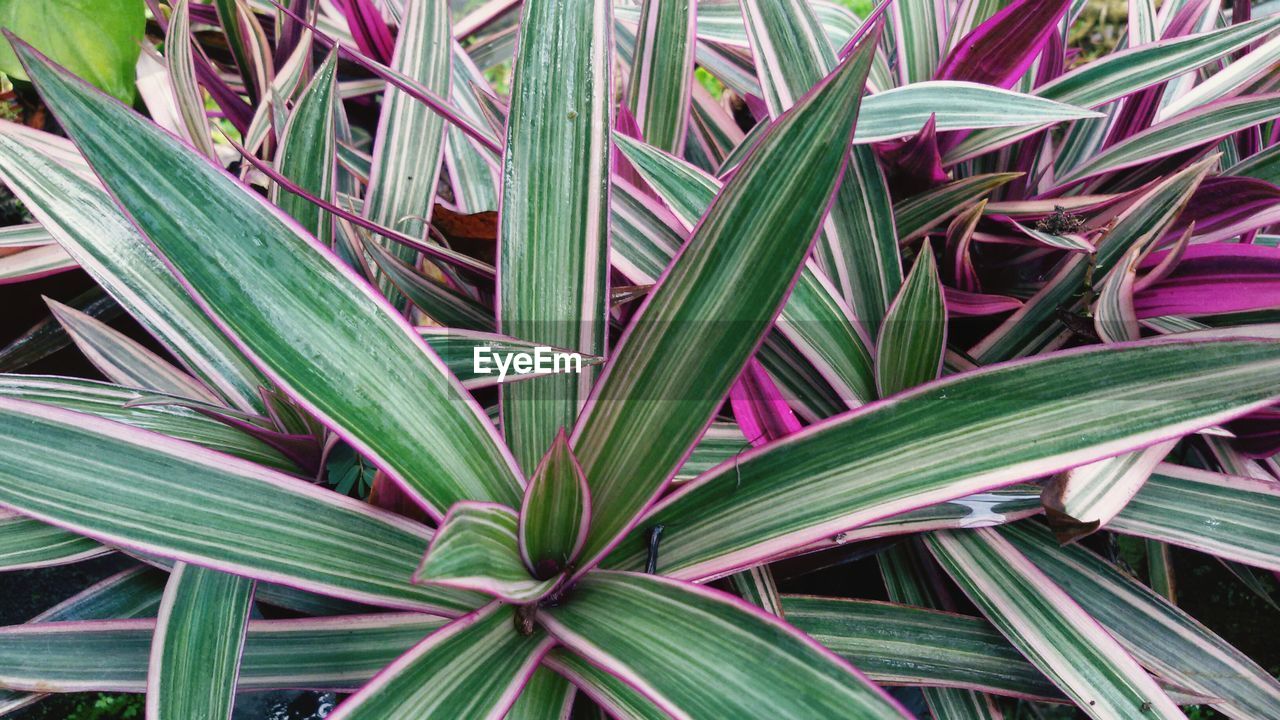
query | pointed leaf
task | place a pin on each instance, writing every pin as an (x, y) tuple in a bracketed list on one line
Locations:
[(556, 512), (306, 154), (662, 71), (1000, 50), (256, 273), (914, 335)]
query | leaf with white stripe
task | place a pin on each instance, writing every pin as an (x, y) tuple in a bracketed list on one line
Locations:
[(85, 222), (1048, 627), (917, 38), (474, 667), (124, 360), (26, 543), (35, 263), (1231, 517), (440, 302), (914, 334), (195, 652), (556, 512), (610, 692), (1019, 420), (257, 273), (1156, 632), (673, 368), (145, 492), (547, 696), (307, 152), (180, 59), (631, 626), (814, 319), (919, 214), (553, 235), (662, 71), (477, 548), (1085, 498)]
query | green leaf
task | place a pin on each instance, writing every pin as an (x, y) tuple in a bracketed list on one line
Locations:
[(99, 40), (306, 154), (139, 490), (27, 543), (477, 549), (123, 360), (1085, 498), (917, 38), (1222, 515), (179, 56), (814, 319), (1161, 636), (195, 653), (633, 625), (674, 367), (85, 222), (409, 142), (556, 512), (257, 273), (913, 337), (553, 234), (905, 645), (607, 690), (662, 71), (1043, 622), (443, 304), (548, 696), (473, 667), (918, 215), (1019, 421)]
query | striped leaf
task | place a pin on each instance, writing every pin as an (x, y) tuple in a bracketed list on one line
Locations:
[(26, 543), (610, 692), (917, 38), (904, 645), (307, 152), (1223, 515), (814, 319), (440, 302), (673, 368), (548, 696), (1048, 627), (914, 334), (256, 273), (477, 548), (757, 586), (1243, 72), (553, 233), (35, 263), (1122, 73), (409, 142), (195, 651), (141, 491), (180, 61), (1189, 130), (167, 415), (124, 360), (1020, 420), (84, 221), (556, 512), (1085, 498), (1161, 636), (918, 215), (662, 71), (857, 248), (630, 625), (474, 667)]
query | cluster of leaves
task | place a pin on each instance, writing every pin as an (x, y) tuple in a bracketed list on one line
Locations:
[(927, 294)]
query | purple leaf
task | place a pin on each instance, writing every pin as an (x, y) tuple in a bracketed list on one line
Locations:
[(1214, 279), (759, 407), (1000, 50), (913, 165), (369, 29)]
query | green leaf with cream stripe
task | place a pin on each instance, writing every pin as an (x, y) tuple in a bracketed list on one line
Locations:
[(898, 644), (1021, 420), (1048, 627), (553, 232), (180, 60), (914, 334), (662, 71), (1231, 517), (556, 512), (917, 215), (1086, 498), (1161, 636), (548, 696), (168, 415), (257, 274), (857, 250), (84, 221), (440, 302), (632, 625), (675, 366), (124, 360), (610, 692), (409, 142), (474, 667), (27, 543), (139, 490), (195, 652), (814, 319), (477, 548), (307, 152)]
